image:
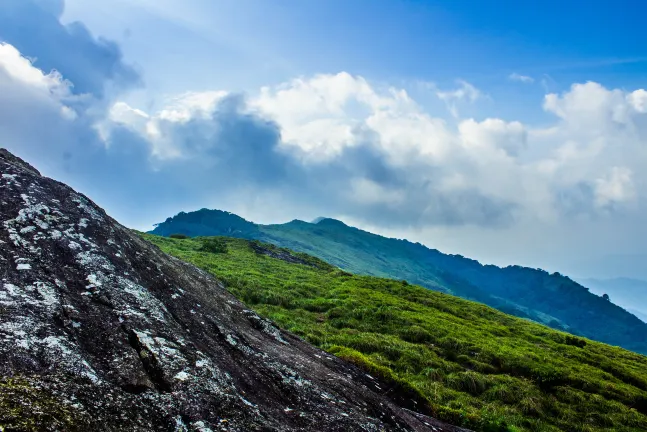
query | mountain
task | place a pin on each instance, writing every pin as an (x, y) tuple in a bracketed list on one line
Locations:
[(102, 331), (472, 365), (629, 293), (551, 299)]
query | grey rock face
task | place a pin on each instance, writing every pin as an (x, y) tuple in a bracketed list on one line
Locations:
[(100, 330)]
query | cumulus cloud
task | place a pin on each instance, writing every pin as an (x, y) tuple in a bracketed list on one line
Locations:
[(34, 28), (521, 78), (373, 153), (615, 187), (333, 144)]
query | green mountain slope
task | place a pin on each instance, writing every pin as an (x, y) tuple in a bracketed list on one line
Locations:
[(629, 293), (462, 361), (551, 299)]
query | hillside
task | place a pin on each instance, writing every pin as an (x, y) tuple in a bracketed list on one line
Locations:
[(629, 293), (551, 299), (472, 365), (102, 331)]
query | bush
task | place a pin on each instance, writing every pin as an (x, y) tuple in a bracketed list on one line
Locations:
[(179, 236), (213, 245)]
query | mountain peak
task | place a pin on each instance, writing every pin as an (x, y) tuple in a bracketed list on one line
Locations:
[(329, 222)]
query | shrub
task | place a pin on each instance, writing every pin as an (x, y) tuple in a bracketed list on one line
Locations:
[(179, 236), (213, 245)]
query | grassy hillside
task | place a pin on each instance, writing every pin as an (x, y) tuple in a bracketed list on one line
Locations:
[(466, 363), (551, 299)]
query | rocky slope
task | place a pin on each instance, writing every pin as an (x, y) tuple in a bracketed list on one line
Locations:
[(100, 330)]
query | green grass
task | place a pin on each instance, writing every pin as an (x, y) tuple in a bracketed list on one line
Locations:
[(547, 298), (464, 362)]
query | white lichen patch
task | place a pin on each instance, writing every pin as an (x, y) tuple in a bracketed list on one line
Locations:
[(93, 280), (231, 340), (200, 426), (23, 266), (84, 206), (48, 295), (180, 426), (290, 376), (266, 326), (182, 376), (142, 298), (22, 336), (166, 352)]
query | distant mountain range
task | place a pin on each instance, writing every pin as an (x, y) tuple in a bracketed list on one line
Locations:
[(629, 293), (551, 299)]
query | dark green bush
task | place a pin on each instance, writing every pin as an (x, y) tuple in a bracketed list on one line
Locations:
[(213, 245), (179, 236)]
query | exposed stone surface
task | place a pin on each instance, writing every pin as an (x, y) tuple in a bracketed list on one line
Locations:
[(100, 330)]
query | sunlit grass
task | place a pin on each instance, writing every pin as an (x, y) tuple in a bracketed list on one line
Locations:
[(472, 365)]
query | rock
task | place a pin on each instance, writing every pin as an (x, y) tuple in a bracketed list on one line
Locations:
[(100, 330)]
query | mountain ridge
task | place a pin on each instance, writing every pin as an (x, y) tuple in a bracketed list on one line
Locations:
[(629, 293), (552, 299)]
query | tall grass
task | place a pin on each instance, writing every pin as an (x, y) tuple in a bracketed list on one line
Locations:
[(463, 362)]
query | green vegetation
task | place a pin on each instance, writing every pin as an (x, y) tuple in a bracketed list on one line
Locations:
[(179, 236), (550, 299), (213, 245), (461, 361), (24, 407)]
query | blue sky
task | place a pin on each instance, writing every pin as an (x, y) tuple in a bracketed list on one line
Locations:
[(504, 131)]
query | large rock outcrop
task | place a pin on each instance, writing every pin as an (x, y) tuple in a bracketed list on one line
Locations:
[(100, 330)]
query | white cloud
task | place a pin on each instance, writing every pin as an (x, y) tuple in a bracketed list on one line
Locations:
[(320, 119), (32, 103), (615, 187), (466, 92), (493, 134), (320, 114), (407, 165), (638, 100), (521, 78), (20, 71)]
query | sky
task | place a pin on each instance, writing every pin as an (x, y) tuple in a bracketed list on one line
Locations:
[(506, 132)]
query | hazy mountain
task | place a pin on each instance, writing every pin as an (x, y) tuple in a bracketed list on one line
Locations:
[(629, 293), (552, 299)]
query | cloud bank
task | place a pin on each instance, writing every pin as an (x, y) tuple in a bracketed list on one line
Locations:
[(332, 144)]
